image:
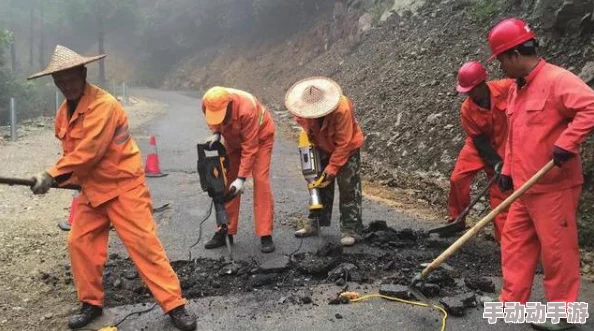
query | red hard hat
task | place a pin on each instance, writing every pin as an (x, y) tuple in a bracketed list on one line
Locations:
[(470, 75), (508, 34)]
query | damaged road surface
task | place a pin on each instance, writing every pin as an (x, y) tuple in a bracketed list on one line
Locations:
[(292, 288)]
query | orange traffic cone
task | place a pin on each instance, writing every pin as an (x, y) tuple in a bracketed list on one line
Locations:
[(152, 168)]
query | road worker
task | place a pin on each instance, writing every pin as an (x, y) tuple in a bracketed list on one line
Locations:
[(485, 124), (101, 156), (328, 118), (248, 131), (550, 112)]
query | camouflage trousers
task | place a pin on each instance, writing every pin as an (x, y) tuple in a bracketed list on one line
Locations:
[(350, 200)]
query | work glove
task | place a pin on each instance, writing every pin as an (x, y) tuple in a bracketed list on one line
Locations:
[(505, 183), (561, 156), (43, 182), (324, 180), (237, 186), (214, 138)]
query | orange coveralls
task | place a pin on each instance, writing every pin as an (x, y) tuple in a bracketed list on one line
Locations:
[(480, 121), (249, 137), (100, 154), (340, 136), (555, 107), (339, 139)]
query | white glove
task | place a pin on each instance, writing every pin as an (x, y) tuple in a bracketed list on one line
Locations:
[(43, 182), (237, 186), (214, 138)]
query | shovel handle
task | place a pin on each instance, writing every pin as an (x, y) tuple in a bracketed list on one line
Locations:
[(487, 219), (31, 182)]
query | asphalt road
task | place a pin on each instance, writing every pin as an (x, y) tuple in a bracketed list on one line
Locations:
[(177, 133)]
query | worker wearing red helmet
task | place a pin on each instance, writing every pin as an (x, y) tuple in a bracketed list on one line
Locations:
[(550, 112), (484, 121)]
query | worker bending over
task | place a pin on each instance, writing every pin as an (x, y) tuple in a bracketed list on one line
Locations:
[(485, 124), (248, 132), (101, 156), (327, 116)]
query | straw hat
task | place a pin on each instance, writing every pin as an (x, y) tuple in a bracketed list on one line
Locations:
[(313, 97), (64, 59)]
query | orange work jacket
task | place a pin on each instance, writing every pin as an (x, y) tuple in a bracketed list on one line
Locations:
[(555, 107), (97, 147), (340, 135), (491, 122), (248, 124)]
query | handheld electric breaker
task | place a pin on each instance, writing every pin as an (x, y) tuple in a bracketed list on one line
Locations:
[(311, 168), (212, 171)]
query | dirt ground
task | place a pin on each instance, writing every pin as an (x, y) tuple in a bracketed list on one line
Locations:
[(31, 244)]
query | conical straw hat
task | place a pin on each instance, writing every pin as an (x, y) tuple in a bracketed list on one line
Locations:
[(63, 59), (313, 97)]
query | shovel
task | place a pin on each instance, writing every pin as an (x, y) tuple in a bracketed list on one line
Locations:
[(458, 224), (30, 182), (475, 229)]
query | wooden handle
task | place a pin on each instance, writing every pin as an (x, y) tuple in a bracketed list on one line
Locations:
[(31, 182), (487, 219)]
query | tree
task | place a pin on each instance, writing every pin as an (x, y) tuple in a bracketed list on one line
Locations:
[(96, 19)]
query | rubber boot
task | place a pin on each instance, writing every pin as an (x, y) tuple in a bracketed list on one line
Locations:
[(218, 240), (310, 228), (86, 315), (549, 326), (267, 244), (347, 239), (182, 320)]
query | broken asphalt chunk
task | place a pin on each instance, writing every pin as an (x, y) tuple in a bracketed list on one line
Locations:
[(480, 284), (395, 290)]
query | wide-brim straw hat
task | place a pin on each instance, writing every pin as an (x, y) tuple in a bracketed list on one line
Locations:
[(313, 97), (64, 59)]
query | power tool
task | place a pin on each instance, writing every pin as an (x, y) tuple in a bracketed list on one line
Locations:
[(212, 170), (311, 168)]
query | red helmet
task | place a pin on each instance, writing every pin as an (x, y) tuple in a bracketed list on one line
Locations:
[(470, 75), (508, 34)]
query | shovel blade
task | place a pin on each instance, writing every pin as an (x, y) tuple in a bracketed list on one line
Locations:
[(450, 229)]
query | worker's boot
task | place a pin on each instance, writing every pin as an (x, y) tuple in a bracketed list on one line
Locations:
[(549, 326), (218, 240), (310, 228), (182, 320), (86, 315), (267, 244), (347, 239)]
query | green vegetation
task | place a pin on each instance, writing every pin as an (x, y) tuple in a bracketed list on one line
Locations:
[(484, 9)]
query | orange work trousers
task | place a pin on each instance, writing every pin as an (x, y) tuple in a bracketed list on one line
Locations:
[(542, 225), (468, 164), (263, 199), (131, 216)]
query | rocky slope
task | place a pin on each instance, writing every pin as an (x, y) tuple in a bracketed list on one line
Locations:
[(401, 74)]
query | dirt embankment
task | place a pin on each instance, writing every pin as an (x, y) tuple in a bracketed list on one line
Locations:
[(32, 247), (401, 74)]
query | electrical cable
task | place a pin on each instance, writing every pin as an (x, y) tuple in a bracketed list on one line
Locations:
[(134, 313), (354, 297), (208, 213), (115, 326)]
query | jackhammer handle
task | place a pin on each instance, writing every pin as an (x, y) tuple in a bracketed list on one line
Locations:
[(486, 220), (31, 182)]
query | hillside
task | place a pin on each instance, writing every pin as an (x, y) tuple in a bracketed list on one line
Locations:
[(401, 74)]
